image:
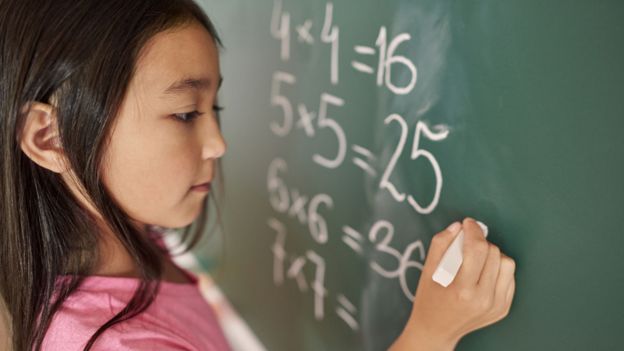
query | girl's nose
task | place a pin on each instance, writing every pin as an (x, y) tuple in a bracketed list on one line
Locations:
[(214, 145)]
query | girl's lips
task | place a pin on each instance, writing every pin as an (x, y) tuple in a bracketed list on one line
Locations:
[(201, 187)]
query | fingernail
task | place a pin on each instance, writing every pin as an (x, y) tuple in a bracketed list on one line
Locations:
[(454, 227)]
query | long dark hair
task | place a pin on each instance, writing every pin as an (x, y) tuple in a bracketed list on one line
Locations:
[(82, 54)]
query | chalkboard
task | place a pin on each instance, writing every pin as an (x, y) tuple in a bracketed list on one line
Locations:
[(359, 129)]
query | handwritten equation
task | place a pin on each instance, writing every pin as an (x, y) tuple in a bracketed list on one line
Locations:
[(379, 60), (383, 52)]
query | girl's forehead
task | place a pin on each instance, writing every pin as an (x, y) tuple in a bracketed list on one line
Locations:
[(170, 58)]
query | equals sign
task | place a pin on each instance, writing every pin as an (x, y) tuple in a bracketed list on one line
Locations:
[(364, 162), (346, 310), (359, 66), (352, 238)]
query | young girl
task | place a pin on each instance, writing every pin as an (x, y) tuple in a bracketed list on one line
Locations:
[(109, 131)]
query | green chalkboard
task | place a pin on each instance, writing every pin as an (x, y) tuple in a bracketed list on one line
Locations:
[(356, 124)]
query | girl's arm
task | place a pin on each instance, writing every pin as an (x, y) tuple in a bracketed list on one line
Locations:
[(480, 295)]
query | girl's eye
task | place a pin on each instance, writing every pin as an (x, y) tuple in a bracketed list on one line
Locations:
[(187, 116)]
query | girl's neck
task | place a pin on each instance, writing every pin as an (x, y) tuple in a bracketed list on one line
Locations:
[(114, 258), (117, 262)]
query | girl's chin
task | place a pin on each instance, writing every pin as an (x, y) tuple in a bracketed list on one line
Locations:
[(187, 212)]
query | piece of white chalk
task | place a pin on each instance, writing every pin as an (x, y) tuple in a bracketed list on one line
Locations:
[(453, 258)]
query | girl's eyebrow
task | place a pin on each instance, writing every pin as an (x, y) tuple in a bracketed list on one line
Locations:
[(185, 84)]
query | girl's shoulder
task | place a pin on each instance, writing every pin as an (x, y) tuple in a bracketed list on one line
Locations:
[(178, 319)]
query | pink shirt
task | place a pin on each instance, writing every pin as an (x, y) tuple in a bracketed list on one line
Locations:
[(178, 319)]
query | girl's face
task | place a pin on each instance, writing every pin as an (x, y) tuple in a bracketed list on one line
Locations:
[(166, 138)]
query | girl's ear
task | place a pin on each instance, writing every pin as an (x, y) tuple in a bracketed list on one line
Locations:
[(39, 138)]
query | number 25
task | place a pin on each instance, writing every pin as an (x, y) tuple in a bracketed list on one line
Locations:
[(421, 128)]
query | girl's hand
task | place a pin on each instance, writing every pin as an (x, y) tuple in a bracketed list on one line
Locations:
[(480, 294)]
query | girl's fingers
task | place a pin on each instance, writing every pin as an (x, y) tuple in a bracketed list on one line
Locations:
[(475, 252), (507, 271), (512, 284), (489, 275), (510, 292), (439, 244), (505, 284), (503, 293), (504, 306)]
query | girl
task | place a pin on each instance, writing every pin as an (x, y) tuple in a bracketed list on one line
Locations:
[(110, 131)]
